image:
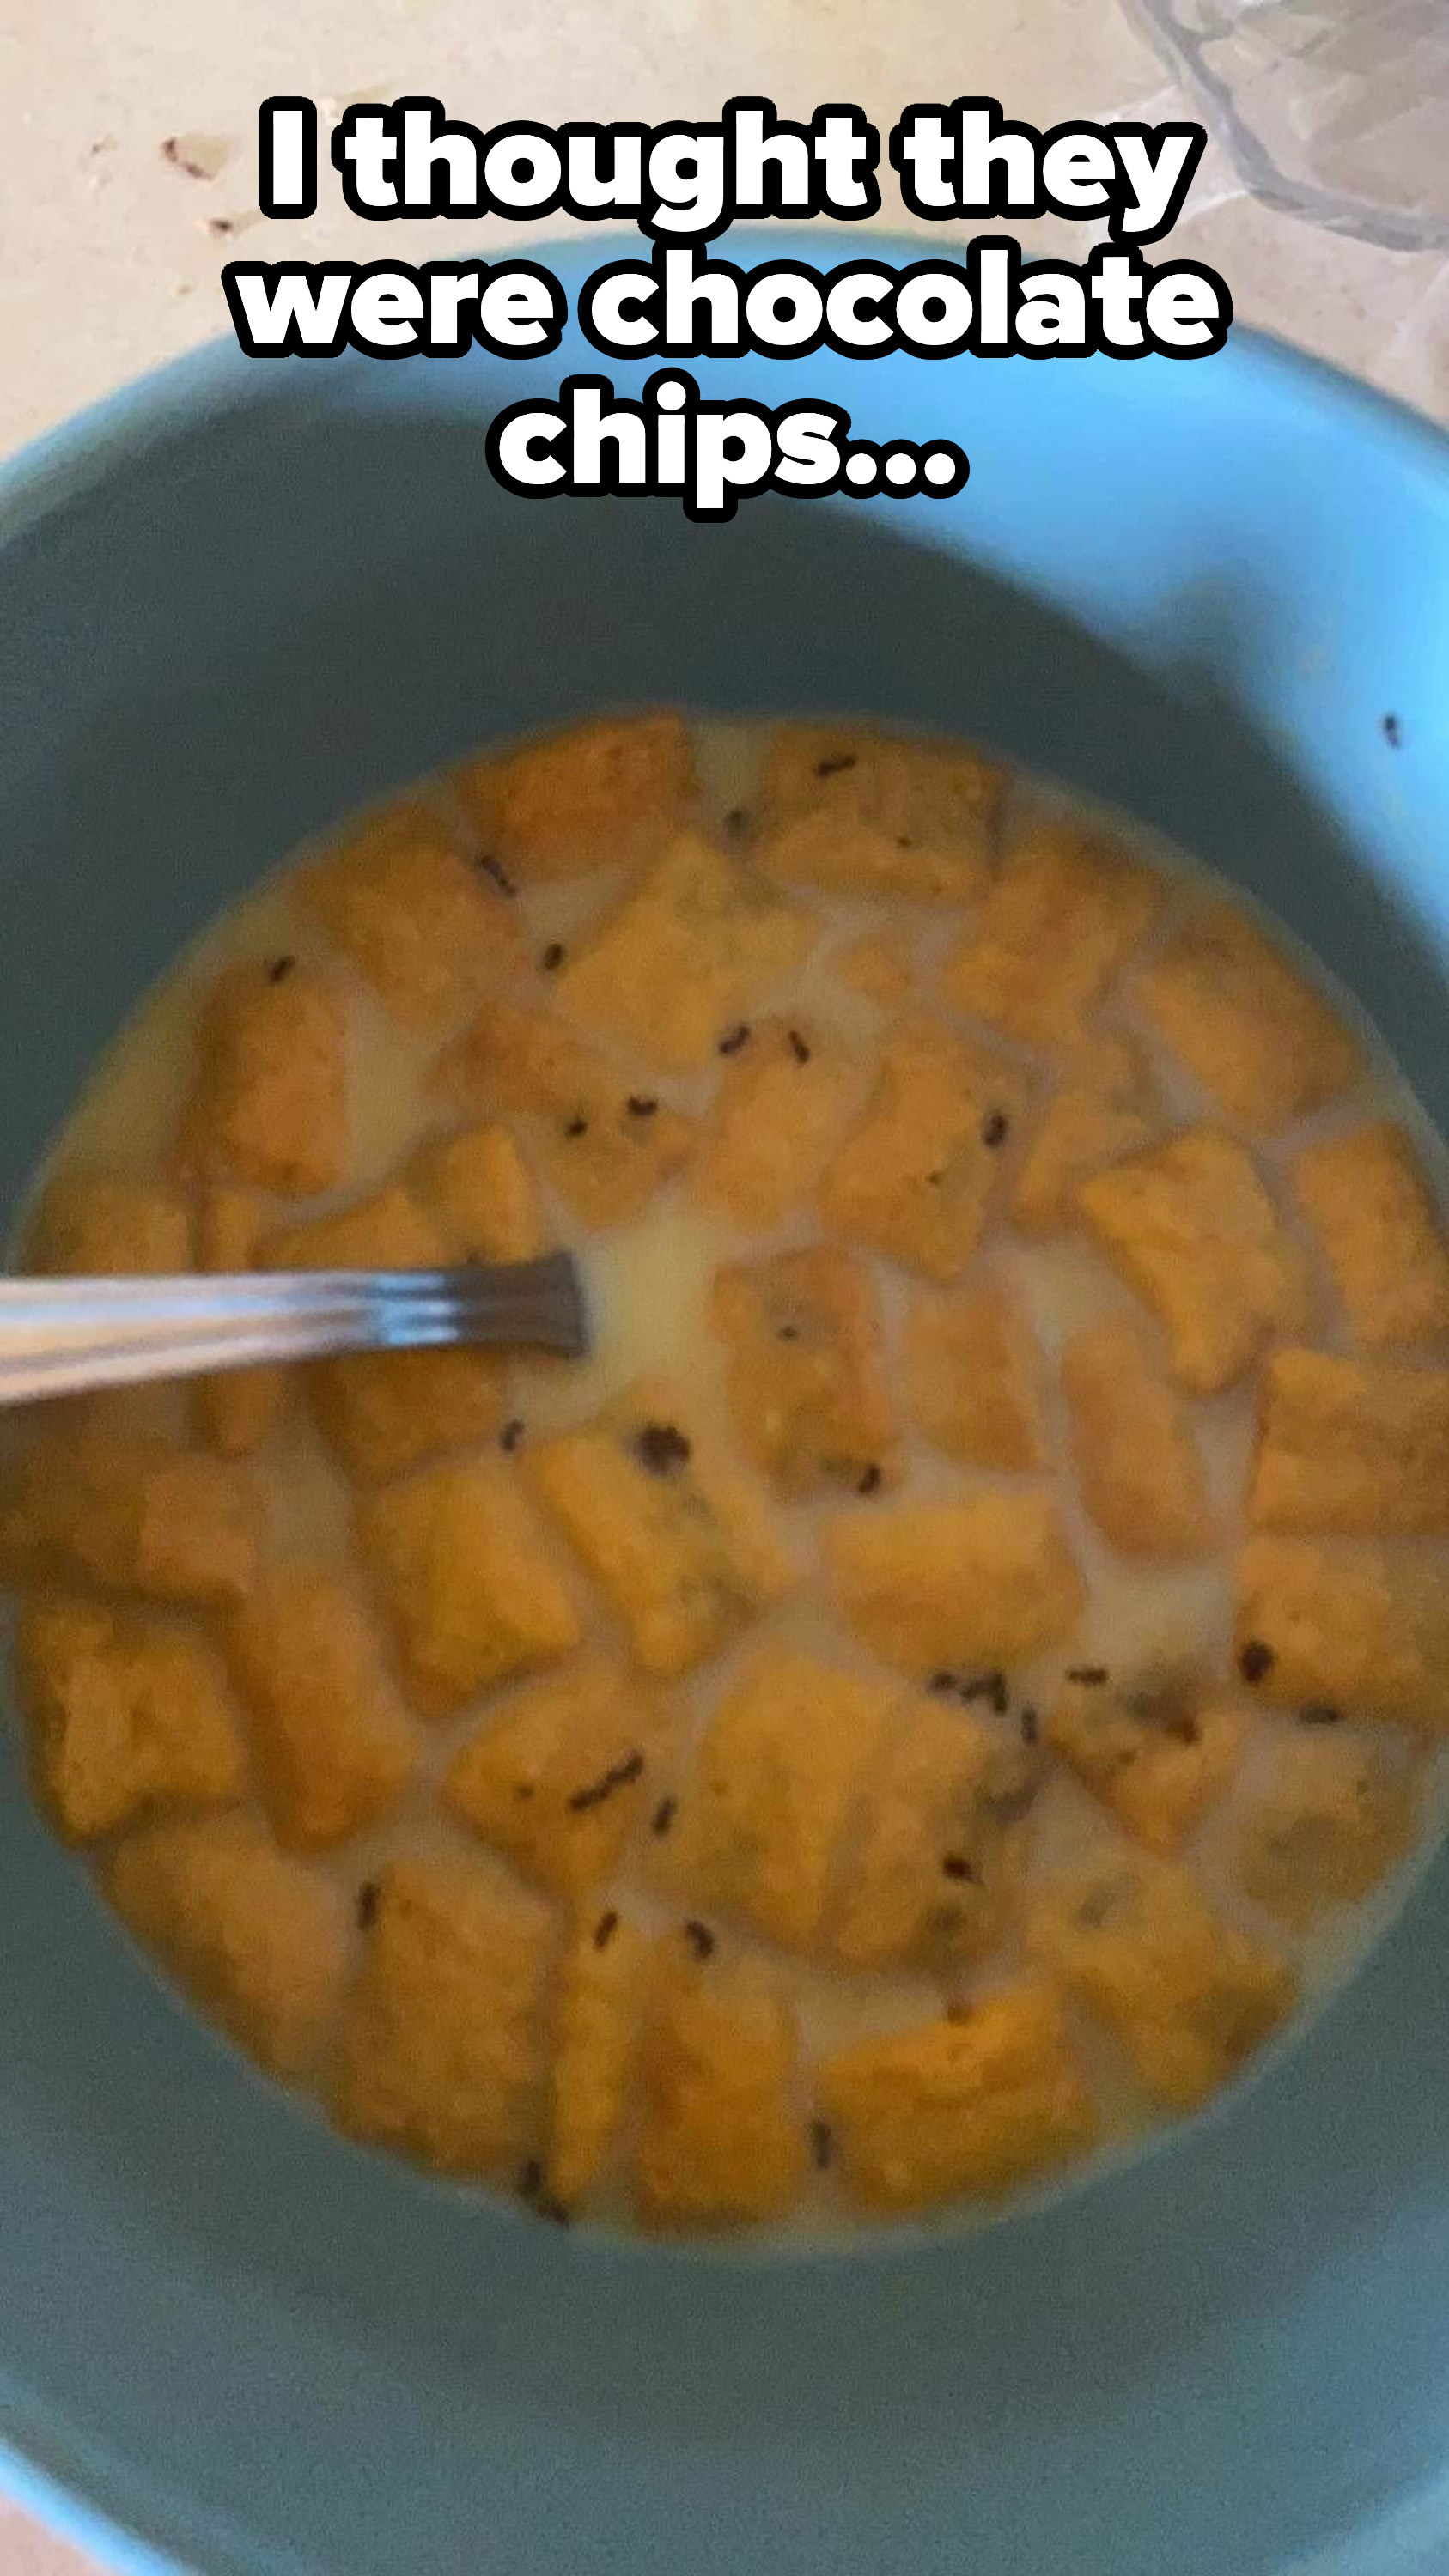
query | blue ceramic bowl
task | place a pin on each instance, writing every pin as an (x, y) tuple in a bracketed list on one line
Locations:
[(232, 603)]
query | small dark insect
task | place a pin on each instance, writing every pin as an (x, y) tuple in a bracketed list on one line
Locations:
[(530, 2179), (1393, 732), (368, 1896), (553, 957), (935, 1179), (735, 1038), (171, 150), (904, 841), (942, 1684), (221, 224), (831, 768), (577, 1126), (735, 821), (280, 968), (524, 1788), (700, 1938), (956, 1865), (1091, 1676), (620, 1775), (822, 2145), (605, 1929), (1030, 1730), (994, 1129), (787, 1333), (495, 869), (1255, 1660), (664, 1815), (987, 1686), (661, 1447), (640, 1106), (510, 1436), (798, 1048), (869, 1482), (1319, 1716)]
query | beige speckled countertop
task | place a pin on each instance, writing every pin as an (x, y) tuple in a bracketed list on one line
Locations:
[(112, 250)]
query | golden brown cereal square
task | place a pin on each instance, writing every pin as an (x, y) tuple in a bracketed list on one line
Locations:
[(938, 1866), (972, 1374), (1066, 909), (1138, 1465), (238, 1408), (477, 1189), (333, 1747), (1347, 1624), (558, 1775), (805, 1369), (1158, 1747), (873, 813), (695, 944), (1365, 1197), (606, 1147), (132, 1512), (599, 2035), (1187, 1995), (467, 1579), (916, 1179), (877, 967), (990, 1579), (442, 2051), (981, 2104), (97, 1223), (1358, 1445), (1248, 1026), (591, 796), (720, 2143), (268, 1102), (783, 1100), (679, 1544), (426, 929), (1079, 1132), (1335, 1815), (1192, 1229), (781, 1765), (126, 1715), (256, 1939)]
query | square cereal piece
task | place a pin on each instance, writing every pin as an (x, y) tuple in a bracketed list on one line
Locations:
[(430, 932), (256, 1940), (775, 1786), (990, 1579), (385, 1412), (1336, 1814), (679, 1544), (125, 1715), (606, 1147), (874, 813), (938, 1867), (598, 2042), (132, 1512), (980, 2104), (477, 1189), (1138, 1465), (720, 2143), (1251, 1031), (558, 1776), (877, 967), (238, 1409), (805, 1369), (1365, 1197), (1066, 910), (1186, 1995), (90, 1224), (1159, 1748), (1193, 1231), (972, 1373), (1080, 1131), (593, 796), (1346, 1624), (917, 1177), (442, 2054), (468, 1580), (1358, 1445), (782, 1103), (334, 1750), (694, 944), (268, 1100)]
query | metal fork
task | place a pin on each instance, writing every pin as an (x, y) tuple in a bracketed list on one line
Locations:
[(72, 1336)]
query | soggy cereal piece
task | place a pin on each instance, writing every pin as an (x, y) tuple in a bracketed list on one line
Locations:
[(333, 1748), (1187, 1996), (939, 1865), (1358, 1445), (442, 2041), (125, 1715), (1138, 1464), (1065, 911), (777, 1775), (720, 2142), (990, 1579), (426, 929), (132, 1512), (693, 945), (1336, 1815), (385, 1412), (238, 1408), (1193, 1231), (916, 1178), (805, 1369), (477, 1189), (268, 1103), (592, 796), (558, 1776), (874, 813), (1365, 1197), (1080, 1132), (91, 1224), (599, 2037), (1346, 1624), (678, 1543), (1249, 1028), (877, 967), (606, 1147), (785, 1094), (256, 1940), (972, 1371), (1159, 1748), (468, 1580), (981, 2104)]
